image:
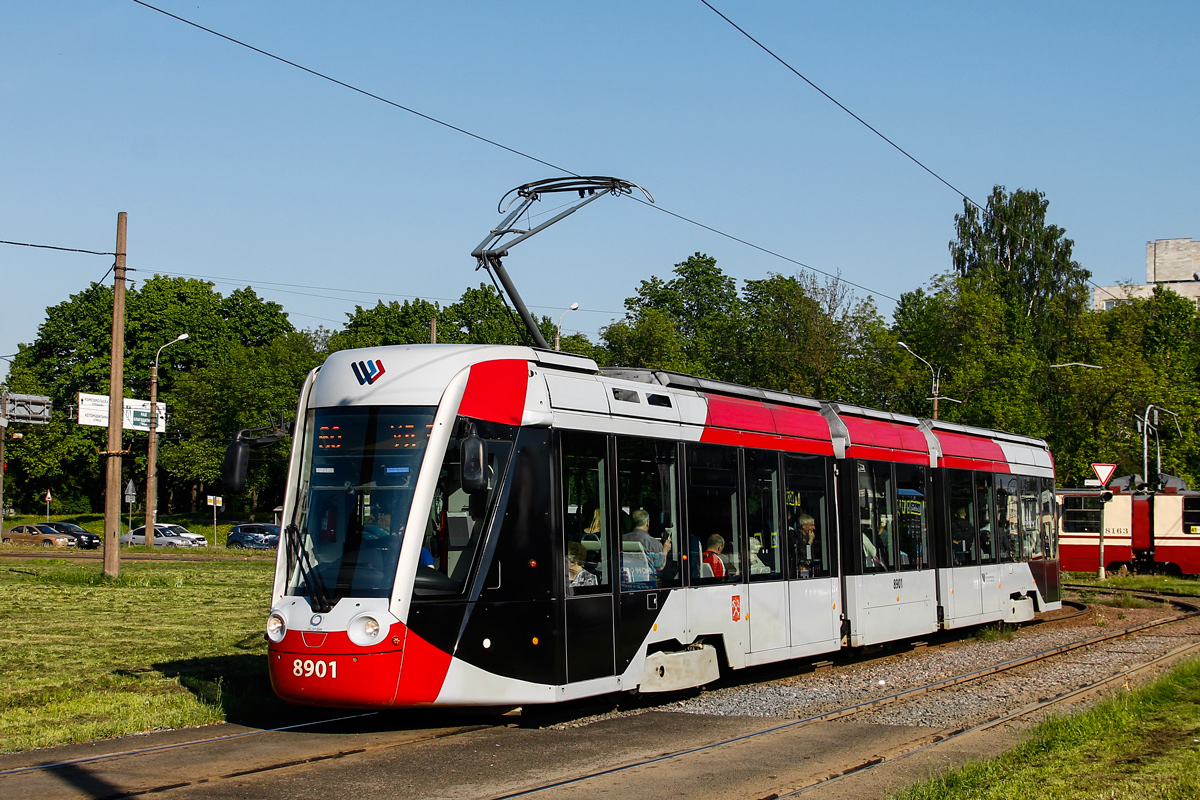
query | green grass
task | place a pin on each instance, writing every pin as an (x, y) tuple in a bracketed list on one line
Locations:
[(1141, 745), (166, 645), (995, 632), (1137, 583)]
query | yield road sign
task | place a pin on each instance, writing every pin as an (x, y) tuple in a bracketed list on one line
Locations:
[(1104, 472)]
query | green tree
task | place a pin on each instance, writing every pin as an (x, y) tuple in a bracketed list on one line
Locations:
[(1010, 252), (809, 338), (253, 386), (387, 323), (71, 355), (689, 323)]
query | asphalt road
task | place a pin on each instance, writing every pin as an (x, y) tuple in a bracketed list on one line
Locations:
[(443, 755)]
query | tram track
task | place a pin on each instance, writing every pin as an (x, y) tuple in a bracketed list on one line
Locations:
[(124, 774), (925, 742)]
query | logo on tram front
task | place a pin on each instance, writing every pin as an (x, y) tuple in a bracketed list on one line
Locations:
[(367, 371)]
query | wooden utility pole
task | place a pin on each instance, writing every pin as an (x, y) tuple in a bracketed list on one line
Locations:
[(116, 408)]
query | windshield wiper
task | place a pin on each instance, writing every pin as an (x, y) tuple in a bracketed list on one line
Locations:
[(312, 579)]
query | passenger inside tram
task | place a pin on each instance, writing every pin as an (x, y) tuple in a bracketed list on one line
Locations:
[(712, 556), (963, 535), (806, 548), (593, 532), (577, 572), (872, 562)]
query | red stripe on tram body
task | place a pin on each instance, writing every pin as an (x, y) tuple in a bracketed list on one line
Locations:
[(496, 391)]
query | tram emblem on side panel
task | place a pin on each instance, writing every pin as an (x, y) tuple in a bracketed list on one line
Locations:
[(737, 607)]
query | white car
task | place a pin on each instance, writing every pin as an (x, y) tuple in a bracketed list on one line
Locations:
[(183, 533), (163, 537)]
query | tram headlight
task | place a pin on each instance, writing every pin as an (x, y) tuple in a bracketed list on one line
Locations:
[(364, 630), (276, 628)]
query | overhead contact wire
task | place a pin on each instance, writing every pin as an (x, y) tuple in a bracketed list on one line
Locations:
[(506, 148), (353, 88)]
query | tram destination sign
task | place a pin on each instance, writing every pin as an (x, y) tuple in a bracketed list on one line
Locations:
[(93, 410)]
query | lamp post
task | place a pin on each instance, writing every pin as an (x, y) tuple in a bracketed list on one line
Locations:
[(937, 378), (1100, 571), (558, 332), (152, 455)]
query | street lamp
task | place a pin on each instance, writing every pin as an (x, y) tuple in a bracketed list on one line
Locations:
[(937, 378), (152, 457), (558, 332)]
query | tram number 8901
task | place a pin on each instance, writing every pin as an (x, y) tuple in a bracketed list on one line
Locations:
[(306, 668)]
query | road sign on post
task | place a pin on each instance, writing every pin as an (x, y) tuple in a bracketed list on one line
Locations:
[(130, 498), (33, 408), (216, 501), (1104, 472)]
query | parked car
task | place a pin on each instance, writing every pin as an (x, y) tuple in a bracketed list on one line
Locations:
[(184, 533), (40, 534), (253, 536), (85, 540), (162, 537)]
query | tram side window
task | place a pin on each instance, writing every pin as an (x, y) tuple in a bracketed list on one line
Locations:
[(1081, 514), (712, 504), (964, 537), (809, 524), (1008, 518), (1191, 515), (912, 517), (1029, 518), (986, 517), (457, 519), (876, 516), (1047, 534), (764, 533), (585, 516), (647, 494)]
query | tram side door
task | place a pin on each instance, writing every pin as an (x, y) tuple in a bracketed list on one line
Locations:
[(767, 590), (647, 546), (588, 623)]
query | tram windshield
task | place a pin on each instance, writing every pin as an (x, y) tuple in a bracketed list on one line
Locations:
[(359, 470)]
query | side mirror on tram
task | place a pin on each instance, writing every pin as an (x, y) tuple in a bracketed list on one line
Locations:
[(233, 468), (471, 463), (1105, 496)]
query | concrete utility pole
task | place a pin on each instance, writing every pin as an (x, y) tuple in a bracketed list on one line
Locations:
[(116, 407)]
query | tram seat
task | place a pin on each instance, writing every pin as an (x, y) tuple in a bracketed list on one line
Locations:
[(706, 570), (636, 571)]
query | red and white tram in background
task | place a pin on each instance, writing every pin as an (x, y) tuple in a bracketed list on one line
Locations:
[(1143, 531), (506, 525)]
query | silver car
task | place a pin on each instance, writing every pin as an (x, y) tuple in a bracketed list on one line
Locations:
[(162, 537)]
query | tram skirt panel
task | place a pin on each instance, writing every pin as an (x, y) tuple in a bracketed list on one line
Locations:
[(894, 605)]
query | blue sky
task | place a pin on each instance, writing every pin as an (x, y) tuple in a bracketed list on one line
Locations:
[(246, 171)]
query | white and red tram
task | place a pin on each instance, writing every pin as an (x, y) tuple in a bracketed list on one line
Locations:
[(507, 525), (1143, 531)]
